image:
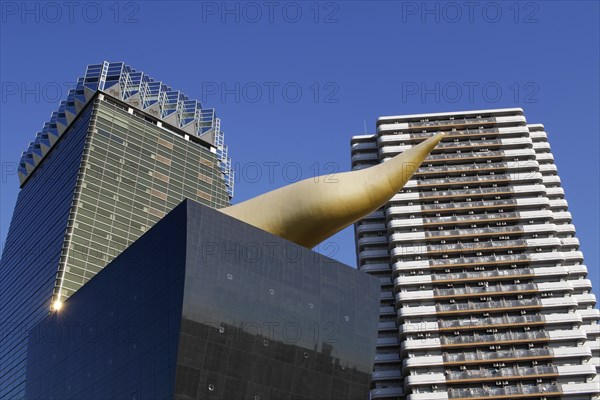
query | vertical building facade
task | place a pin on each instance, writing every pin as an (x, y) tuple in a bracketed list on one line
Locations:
[(484, 290), (120, 152)]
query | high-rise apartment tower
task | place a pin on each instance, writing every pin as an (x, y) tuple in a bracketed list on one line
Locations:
[(120, 152), (484, 290)]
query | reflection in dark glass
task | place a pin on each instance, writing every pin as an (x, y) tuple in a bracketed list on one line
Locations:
[(206, 307)]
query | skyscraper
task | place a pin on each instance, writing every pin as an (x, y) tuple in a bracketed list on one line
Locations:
[(120, 152), (484, 290)]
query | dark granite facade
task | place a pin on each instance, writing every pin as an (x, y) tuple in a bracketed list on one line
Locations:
[(206, 307)]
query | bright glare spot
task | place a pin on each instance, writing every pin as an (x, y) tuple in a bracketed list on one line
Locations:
[(56, 305)]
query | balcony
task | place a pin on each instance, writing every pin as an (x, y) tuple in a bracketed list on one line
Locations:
[(370, 228), (538, 135), (469, 205), (428, 396), (368, 145), (482, 275), (394, 374), (483, 260), (477, 232), (447, 195), (449, 123), (429, 378), (577, 370), (467, 307), (501, 374), (589, 313), (489, 217), (569, 242), (484, 323), (474, 156), (404, 311), (387, 341), (498, 338), (506, 392), (373, 254), (387, 358), (386, 393), (485, 290), (558, 203), (564, 229), (490, 245), (580, 388), (551, 180), (555, 192), (371, 268), (573, 256), (423, 361), (537, 202), (365, 157), (585, 299), (476, 168), (372, 240), (479, 357), (545, 158), (476, 180), (387, 311), (548, 169)]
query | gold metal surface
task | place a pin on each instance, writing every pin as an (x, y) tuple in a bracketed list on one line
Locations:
[(310, 211)]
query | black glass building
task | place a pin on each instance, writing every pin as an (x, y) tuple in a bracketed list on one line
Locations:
[(204, 306), (122, 151)]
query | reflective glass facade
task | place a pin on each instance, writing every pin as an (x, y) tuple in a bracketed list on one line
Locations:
[(206, 307), (133, 173), (32, 252), (100, 173)]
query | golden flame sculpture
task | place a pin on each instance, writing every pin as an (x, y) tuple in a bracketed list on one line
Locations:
[(310, 211)]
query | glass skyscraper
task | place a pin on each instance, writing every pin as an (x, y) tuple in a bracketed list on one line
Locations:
[(120, 152), (484, 290)]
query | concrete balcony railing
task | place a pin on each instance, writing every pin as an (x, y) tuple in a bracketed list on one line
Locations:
[(589, 314), (564, 229), (558, 203)]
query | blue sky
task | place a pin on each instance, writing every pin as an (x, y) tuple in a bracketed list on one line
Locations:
[(292, 81)]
